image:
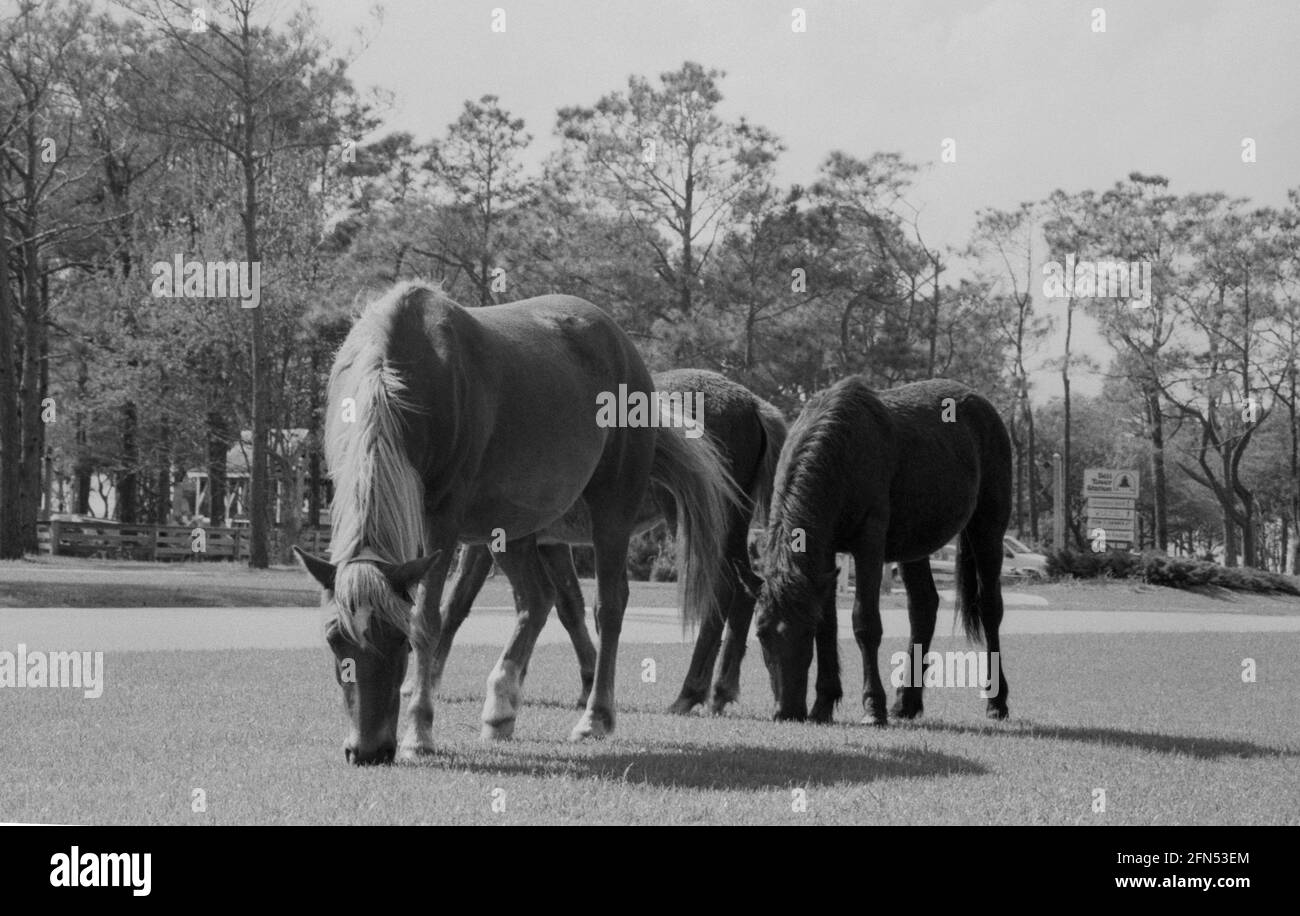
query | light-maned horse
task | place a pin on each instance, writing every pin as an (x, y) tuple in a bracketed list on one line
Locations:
[(888, 476), (450, 425), (748, 433)]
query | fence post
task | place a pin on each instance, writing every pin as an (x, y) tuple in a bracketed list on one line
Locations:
[(54, 537), (236, 543)]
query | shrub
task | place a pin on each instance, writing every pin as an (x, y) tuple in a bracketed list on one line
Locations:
[(1173, 572), (643, 553), (665, 565), (1085, 564)]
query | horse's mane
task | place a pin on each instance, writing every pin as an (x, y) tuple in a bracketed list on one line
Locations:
[(378, 496), (808, 494)]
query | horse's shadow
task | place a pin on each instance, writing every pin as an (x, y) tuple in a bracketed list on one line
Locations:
[(725, 767), (1199, 746)]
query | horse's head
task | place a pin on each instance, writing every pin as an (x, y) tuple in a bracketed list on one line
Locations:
[(368, 629), (789, 607)]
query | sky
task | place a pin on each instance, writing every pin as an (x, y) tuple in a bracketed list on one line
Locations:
[(1034, 98)]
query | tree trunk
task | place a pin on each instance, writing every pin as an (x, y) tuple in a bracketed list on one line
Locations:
[(1229, 534), (1159, 481), (128, 484), (33, 427), (11, 544), (1065, 383), (1033, 469), (82, 466), (218, 445), (1019, 448), (259, 484)]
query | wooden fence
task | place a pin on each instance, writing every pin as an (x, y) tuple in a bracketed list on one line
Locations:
[(112, 540)]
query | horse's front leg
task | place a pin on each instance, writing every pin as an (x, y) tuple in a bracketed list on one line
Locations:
[(867, 630), (418, 689), (829, 690)]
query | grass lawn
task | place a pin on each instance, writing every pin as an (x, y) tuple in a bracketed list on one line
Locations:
[(70, 582), (1162, 723), (73, 582)]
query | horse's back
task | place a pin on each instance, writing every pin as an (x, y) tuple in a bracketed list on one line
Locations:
[(561, 327), (509, 433), (949, 451)]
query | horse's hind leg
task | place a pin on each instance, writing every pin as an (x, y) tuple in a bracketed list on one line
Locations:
[(610, 541), (922, 610), (569, 604), (867, 628), (732, 595), (742, 593), (986, 546), (829, 691), (534, 596), (695, 689), (475, 564)]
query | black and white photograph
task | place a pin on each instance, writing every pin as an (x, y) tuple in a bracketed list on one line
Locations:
[(674, 413)]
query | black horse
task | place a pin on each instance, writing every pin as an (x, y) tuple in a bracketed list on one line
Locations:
[(748, 433), (888, 476)]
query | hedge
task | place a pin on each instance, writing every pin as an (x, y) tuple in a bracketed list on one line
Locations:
[(1157, 569)]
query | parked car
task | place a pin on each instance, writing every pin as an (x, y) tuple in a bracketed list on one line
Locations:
[(1018, 561), (1021, 562)]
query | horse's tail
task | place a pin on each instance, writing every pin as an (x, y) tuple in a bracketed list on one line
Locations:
[(968, 590), (692, 471), (774, 433)]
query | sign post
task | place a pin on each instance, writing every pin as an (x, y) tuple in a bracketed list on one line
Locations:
[(1110, 496)]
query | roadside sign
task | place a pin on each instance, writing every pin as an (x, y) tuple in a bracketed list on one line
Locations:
[(1111, 502), (1112, 529), (1111, 482), (1111, 516)]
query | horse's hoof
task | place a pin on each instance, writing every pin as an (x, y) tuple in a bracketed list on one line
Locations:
[(683, 706), (996, 712), (592, 726), (411, 753), (875, 714), (498, 731), (721, 700), (902, 710), (822, 716)]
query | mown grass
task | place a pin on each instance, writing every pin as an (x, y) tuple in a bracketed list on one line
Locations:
[(74, 582), (1163, 723), (70, 582)]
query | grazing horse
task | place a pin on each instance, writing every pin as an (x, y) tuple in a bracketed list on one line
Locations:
[(450, 425), (888, 476), (748, 433)]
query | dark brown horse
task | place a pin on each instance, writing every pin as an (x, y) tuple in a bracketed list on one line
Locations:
[(450, 425), (748, 433), (888, 476)]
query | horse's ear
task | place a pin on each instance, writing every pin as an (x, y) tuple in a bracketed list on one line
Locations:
[(321, 570), (406, 576)]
